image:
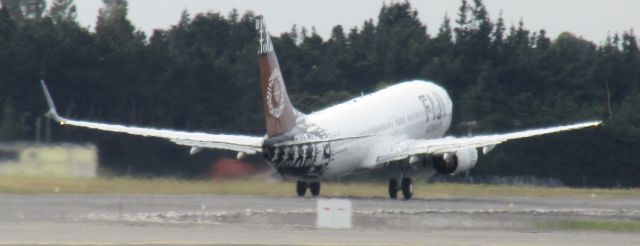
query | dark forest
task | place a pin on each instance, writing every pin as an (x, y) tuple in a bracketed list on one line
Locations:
[(202, 74)]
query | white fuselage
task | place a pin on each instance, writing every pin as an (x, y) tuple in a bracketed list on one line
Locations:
[(409, 110)]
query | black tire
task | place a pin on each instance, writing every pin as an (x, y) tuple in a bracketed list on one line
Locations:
[(407, 188), (393, 188), (315, 188), (301, 188)]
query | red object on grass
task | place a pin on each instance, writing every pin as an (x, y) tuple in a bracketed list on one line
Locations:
[(231, 168)]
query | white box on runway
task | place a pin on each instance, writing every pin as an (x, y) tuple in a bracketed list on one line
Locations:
[(334, 213)]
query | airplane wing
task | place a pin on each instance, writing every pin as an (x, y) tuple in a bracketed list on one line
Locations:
[(449, 145), (239, 143)]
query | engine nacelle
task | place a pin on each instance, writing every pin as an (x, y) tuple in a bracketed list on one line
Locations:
[(455, 163)]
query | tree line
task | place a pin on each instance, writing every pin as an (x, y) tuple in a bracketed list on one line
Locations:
[(201, 74)]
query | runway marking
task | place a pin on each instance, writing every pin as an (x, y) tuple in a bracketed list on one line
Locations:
[(187, 243), (214, 218), (590, 212), (184, 217)]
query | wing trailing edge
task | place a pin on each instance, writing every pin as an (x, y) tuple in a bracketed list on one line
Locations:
[(239, 143), (486, 142)]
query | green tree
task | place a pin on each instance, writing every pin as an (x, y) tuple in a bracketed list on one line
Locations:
[(498, 35), (25, 9), (14, 8), (113, 29), (463, 22), (482, 28), (365, 71), (33, 9), (10, 127), (626, 118), (190, 75), (400, 41), (63, 11)]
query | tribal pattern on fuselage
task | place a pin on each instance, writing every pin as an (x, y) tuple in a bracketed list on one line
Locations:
[(308, 160)]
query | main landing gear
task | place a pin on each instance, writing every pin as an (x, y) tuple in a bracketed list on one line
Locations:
[(313, 186), (406, 186)]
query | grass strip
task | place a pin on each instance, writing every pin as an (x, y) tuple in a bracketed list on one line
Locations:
[(261, 186), (593, 225)]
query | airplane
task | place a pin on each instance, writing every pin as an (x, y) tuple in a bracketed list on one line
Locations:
[(401, 126)]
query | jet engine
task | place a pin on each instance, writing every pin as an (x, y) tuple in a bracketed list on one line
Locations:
[(455, 163)]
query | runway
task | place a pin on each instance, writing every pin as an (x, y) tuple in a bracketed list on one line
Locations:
[(250, 220)]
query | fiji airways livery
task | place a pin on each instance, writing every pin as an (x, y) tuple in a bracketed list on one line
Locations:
[(401, 126)]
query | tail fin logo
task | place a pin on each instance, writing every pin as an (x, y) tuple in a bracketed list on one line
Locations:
[(264, 41), (275, 94)]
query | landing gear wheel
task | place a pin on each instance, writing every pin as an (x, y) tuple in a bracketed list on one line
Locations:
[(301, 188), (393, 188), (407, 188), (315, 188)]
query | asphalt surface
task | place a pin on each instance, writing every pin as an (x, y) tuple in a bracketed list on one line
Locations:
[(249, 220)]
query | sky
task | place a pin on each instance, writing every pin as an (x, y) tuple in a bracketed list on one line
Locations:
[(590, 19)]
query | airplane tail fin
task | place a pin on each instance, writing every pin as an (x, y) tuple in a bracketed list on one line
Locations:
[(278, 110)]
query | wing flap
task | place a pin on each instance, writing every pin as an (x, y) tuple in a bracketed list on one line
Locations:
[(449, 145), (240, 143), (319, 140), (247, 149)]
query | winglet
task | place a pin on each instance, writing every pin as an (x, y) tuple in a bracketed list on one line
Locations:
[(53, 113)]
